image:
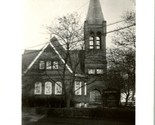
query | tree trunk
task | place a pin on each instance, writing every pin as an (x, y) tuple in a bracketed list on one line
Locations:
[(126, 100), (68, 102)]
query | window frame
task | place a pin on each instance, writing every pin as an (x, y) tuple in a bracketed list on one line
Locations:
[(91, 42), (91, 73), (85, 88), (98, 72), (78, 90), (53, 66), (98, 45), (40, 88), (59, 87), (49, 65), (42, 64), (50, 93)]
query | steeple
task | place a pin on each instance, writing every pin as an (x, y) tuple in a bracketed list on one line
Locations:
[(95, 39), (95, 15)]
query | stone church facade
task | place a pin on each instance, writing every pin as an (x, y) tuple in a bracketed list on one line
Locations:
[(41, 79)]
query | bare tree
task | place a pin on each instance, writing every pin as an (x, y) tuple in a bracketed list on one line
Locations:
[(121, 58), (69, 32)]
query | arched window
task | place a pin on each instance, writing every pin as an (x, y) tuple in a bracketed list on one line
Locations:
[(38, 88), (98, 43), (58, 88), (48, 88), (98, 40), (42, 65), (91, 42)]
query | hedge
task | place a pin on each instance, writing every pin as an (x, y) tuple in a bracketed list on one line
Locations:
[(45, 101), (90, 113)]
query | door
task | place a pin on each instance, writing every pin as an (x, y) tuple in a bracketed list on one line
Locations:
[(95, 96)]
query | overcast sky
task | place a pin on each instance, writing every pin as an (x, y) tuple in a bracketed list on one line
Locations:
[(42, 12)]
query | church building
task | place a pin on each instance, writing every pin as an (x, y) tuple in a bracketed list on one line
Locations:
[(41, 69)]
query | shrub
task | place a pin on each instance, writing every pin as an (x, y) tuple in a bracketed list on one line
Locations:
[(92, 113)]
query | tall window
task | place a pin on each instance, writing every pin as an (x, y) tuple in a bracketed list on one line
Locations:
[(48, 65), (41, 65), (78, 89), (55, 65), (98, 43), (91, 71), (85, 88), (91, 42), (58, 88), (48, 88), (38, 88)]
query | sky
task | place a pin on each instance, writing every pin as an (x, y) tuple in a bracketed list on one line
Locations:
[(37, 13)]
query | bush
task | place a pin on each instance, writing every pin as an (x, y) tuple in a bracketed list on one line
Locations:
[(44, 101), (91, 113), (36, 101)]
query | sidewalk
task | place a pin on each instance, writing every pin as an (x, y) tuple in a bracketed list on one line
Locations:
[(73, 121)]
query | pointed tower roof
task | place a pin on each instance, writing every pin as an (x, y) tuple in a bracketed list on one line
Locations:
[(94, 15)]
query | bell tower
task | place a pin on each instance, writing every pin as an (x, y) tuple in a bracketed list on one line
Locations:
[(95, 40)]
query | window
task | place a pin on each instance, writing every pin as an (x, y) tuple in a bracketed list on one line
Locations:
[(99, 71), (48, 88), (41, 65), (85, 88), (91, 42), (58, 88), (98, 44), (78, 88), (55, 65), (48, 65), (38, 88), (91, 71)]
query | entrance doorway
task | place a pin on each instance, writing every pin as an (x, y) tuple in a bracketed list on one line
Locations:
[(95, 96)]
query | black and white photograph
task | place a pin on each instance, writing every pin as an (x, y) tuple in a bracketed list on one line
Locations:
[(78, 63)]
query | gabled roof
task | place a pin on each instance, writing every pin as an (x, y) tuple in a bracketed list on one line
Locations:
[(28, 57), (31, 56), (34, 59), (95, 15), (58, 46)]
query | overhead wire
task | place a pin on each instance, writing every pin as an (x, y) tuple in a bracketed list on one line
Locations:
[(120, 28), (107, 32), (83, 5), (47, 42), (79, 45), (37, 45)]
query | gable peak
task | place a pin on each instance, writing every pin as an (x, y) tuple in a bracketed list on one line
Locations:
[(53, 39)]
